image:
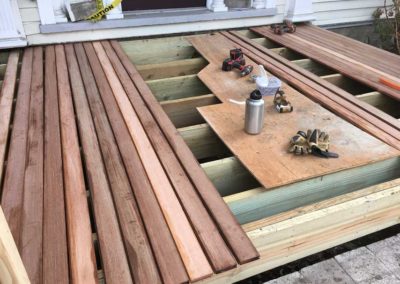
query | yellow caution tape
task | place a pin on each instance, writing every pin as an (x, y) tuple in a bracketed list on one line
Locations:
[(103, 10)]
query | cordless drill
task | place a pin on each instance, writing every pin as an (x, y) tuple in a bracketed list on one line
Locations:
[(236, 60)]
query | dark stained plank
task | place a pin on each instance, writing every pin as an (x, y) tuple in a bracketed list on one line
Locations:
[(32, 218), (114, 261), (55, 247), (13, 188), (193, 257), (169, 262), (80, 246), (140, 257), (213, 244), (232, 232), (6, 102)]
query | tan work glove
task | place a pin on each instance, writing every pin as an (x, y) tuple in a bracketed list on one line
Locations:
[(299, 144), (319, 143)]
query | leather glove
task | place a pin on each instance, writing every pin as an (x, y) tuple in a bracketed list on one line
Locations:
[(299, 144), (319, 143)]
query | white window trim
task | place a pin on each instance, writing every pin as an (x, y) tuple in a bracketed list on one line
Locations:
[(11, 29)]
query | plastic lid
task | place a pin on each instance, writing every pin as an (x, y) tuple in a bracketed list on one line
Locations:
[(255, 95)]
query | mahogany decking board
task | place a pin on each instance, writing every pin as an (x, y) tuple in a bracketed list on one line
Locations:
[(13, 187), (344, 64), (319, 93), (229, 227), (140, 257), (219, 255), (6, 102), (168, 260), (266, 155), (81, 251), (114, 261), (32, 217), (55, 247)]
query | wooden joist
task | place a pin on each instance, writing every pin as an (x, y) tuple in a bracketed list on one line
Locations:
[(357, 112)]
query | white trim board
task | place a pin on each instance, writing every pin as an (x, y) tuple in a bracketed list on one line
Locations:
[(159, 19)]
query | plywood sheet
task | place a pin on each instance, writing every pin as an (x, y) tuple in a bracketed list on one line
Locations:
[(265, 155)]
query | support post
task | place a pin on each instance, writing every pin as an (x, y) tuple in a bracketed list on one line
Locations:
[(116, 13), (217, 5), (299, 10)]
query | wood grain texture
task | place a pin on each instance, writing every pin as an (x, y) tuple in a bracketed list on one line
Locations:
[(211, 241), (265, 155), (32, 218), (12, 269), (80, 246), (13, 187), (344, 64), (55, 246), (232, 232), (166, 254), (114, 261), (189, 248), (138, 250), (6, 102), (319, 94)]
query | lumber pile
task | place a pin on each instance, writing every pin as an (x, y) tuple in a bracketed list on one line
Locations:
[(361, 62), (340, 102), (94, 161)]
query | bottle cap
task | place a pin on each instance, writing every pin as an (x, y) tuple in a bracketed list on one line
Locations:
[(255, 95)]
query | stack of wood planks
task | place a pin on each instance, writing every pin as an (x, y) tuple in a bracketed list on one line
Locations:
[(97, 176), (340, 102)]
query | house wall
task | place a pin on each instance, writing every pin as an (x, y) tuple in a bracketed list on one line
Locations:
[(327, 12)]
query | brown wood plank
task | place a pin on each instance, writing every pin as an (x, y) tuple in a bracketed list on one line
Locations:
[(32, 218), (386, 119), (206, 231), (6, 102), (13, 187), (142, 263), (189, 248), (316, 92), (55, 247), (233, 233), (169, 262), (342, 64), (81, 252), (114, 261)]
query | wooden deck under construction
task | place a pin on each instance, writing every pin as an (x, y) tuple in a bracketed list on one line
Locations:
[(111, 192)]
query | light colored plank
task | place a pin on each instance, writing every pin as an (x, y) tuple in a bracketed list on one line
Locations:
[(81, 250), (170, 69), (177, 87), (6, 102), (183, 112), (192, 255), (203, 142), (12, 269)]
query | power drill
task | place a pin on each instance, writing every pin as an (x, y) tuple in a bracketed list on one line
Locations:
[(236, 60)]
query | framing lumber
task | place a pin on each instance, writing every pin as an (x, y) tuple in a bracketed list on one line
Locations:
[(170, 69), (6, 102), (32, 218), (203, 142), (4, 57), (231, 230), (177, 87), (12, 269), (13, 187), (314, 67), (346, 84), (169, 262), (108, 232), (183, 112), (287, 53), (81, 252), (382, 102), (189, 248), (55, 246), (215, 248)]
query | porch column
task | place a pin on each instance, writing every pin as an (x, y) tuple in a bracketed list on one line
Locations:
[(115, 13), (299, 10), (217, 5), (11, 30), (60, 11)]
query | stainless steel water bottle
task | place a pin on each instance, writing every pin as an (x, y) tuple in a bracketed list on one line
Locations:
[(254, 117)]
